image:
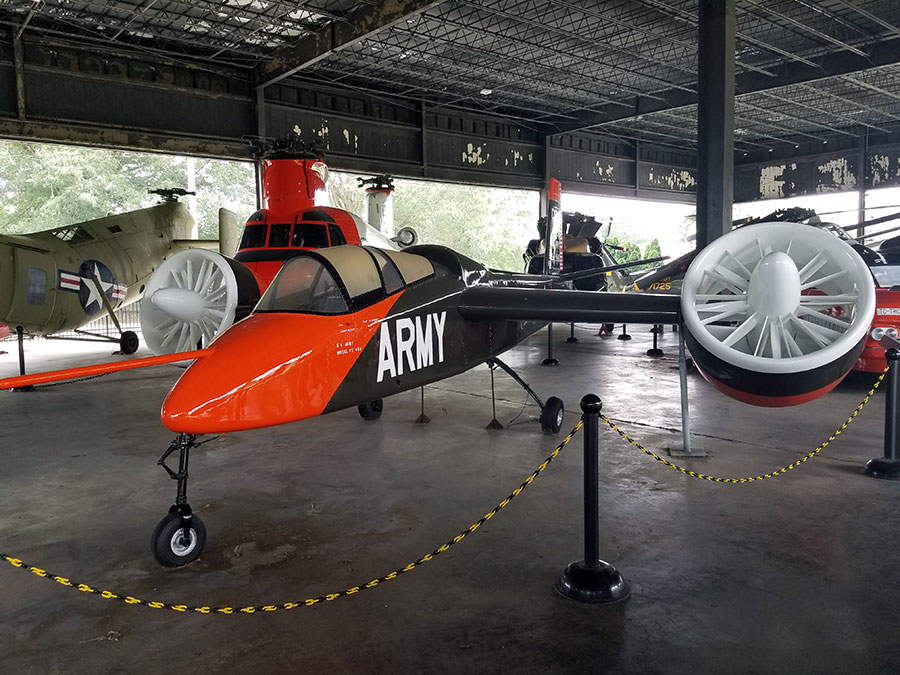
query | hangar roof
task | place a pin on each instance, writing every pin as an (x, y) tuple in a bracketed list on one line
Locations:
[(806, 70)]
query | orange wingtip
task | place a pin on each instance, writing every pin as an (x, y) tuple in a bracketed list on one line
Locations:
[(101, 368)]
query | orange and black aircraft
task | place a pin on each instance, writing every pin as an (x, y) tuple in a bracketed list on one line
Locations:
[(350, 325)]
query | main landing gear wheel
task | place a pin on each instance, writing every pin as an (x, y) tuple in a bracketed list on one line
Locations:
[(371, 410), (169, 544), (129, 342), (777, 313), (552, 415)]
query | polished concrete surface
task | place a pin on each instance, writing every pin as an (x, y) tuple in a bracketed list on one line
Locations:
[(798, 574)]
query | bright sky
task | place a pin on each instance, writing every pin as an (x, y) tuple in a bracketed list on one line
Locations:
[(639, 220), (670, 223)]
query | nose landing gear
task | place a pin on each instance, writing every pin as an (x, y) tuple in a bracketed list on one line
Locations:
[(179, 538)]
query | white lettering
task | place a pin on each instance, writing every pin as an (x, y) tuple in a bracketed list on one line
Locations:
[(406, 339), (415, 340), (385, 354), (424, 350), (439, 328)]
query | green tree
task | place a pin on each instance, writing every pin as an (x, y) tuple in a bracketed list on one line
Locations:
[(625, 251), (652, 251), (44, 186), (490, 225), (344, 192)]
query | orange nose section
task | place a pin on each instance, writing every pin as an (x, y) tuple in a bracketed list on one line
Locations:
[(266, 370)]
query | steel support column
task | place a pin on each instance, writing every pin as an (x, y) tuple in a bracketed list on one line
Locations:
[(19, 61), (715, 120), (423, 132), (862, 169)]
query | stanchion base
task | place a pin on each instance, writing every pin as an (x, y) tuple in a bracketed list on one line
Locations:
[(571, 339), (679, 451), (655, 352), (624, 336), (549, 362), (422, 419), (882, 467), (494, 424), (602, 583), (27, 387)]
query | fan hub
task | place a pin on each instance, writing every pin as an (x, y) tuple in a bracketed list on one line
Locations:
[(179, 303), (775, 286)]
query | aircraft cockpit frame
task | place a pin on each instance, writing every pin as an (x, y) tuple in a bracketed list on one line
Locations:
[(341, 279)]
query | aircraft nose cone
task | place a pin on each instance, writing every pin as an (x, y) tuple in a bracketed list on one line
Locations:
[(257, 375)]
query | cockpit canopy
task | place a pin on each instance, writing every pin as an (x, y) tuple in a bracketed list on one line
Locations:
[(341, 279)]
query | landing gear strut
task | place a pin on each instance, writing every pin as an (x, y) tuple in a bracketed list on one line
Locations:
[(552, 411), (179, 538)]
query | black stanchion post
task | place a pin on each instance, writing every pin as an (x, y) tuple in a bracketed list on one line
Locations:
[(571, 337), (592, 579), (889, 466)]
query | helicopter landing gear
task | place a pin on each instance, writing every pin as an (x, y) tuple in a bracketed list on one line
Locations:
[(179, 538), (371, 410), (552, 411)]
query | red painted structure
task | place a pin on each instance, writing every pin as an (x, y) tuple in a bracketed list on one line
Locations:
[(290, 220), (886, 320)]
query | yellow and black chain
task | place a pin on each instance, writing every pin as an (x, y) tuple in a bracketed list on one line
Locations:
[(750, 479), (130, 600)]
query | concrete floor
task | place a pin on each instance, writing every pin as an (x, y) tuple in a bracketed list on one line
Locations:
[(800, 574)]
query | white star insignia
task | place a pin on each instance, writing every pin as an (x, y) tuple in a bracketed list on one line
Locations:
[(97, 290)]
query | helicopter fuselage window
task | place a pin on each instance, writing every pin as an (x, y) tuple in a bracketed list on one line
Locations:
[(310, 235), (337, 237), (254, 236), (279, 235)]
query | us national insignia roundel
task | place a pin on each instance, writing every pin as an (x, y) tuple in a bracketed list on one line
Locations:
[(92, 279)]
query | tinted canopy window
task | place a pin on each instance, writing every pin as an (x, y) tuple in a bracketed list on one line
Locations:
[(389, 272), (412, 267), (303, 285), (356, 268), (886, 276)]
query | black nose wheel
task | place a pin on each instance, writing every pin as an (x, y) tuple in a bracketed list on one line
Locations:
[(179, 538), (371, 410)]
